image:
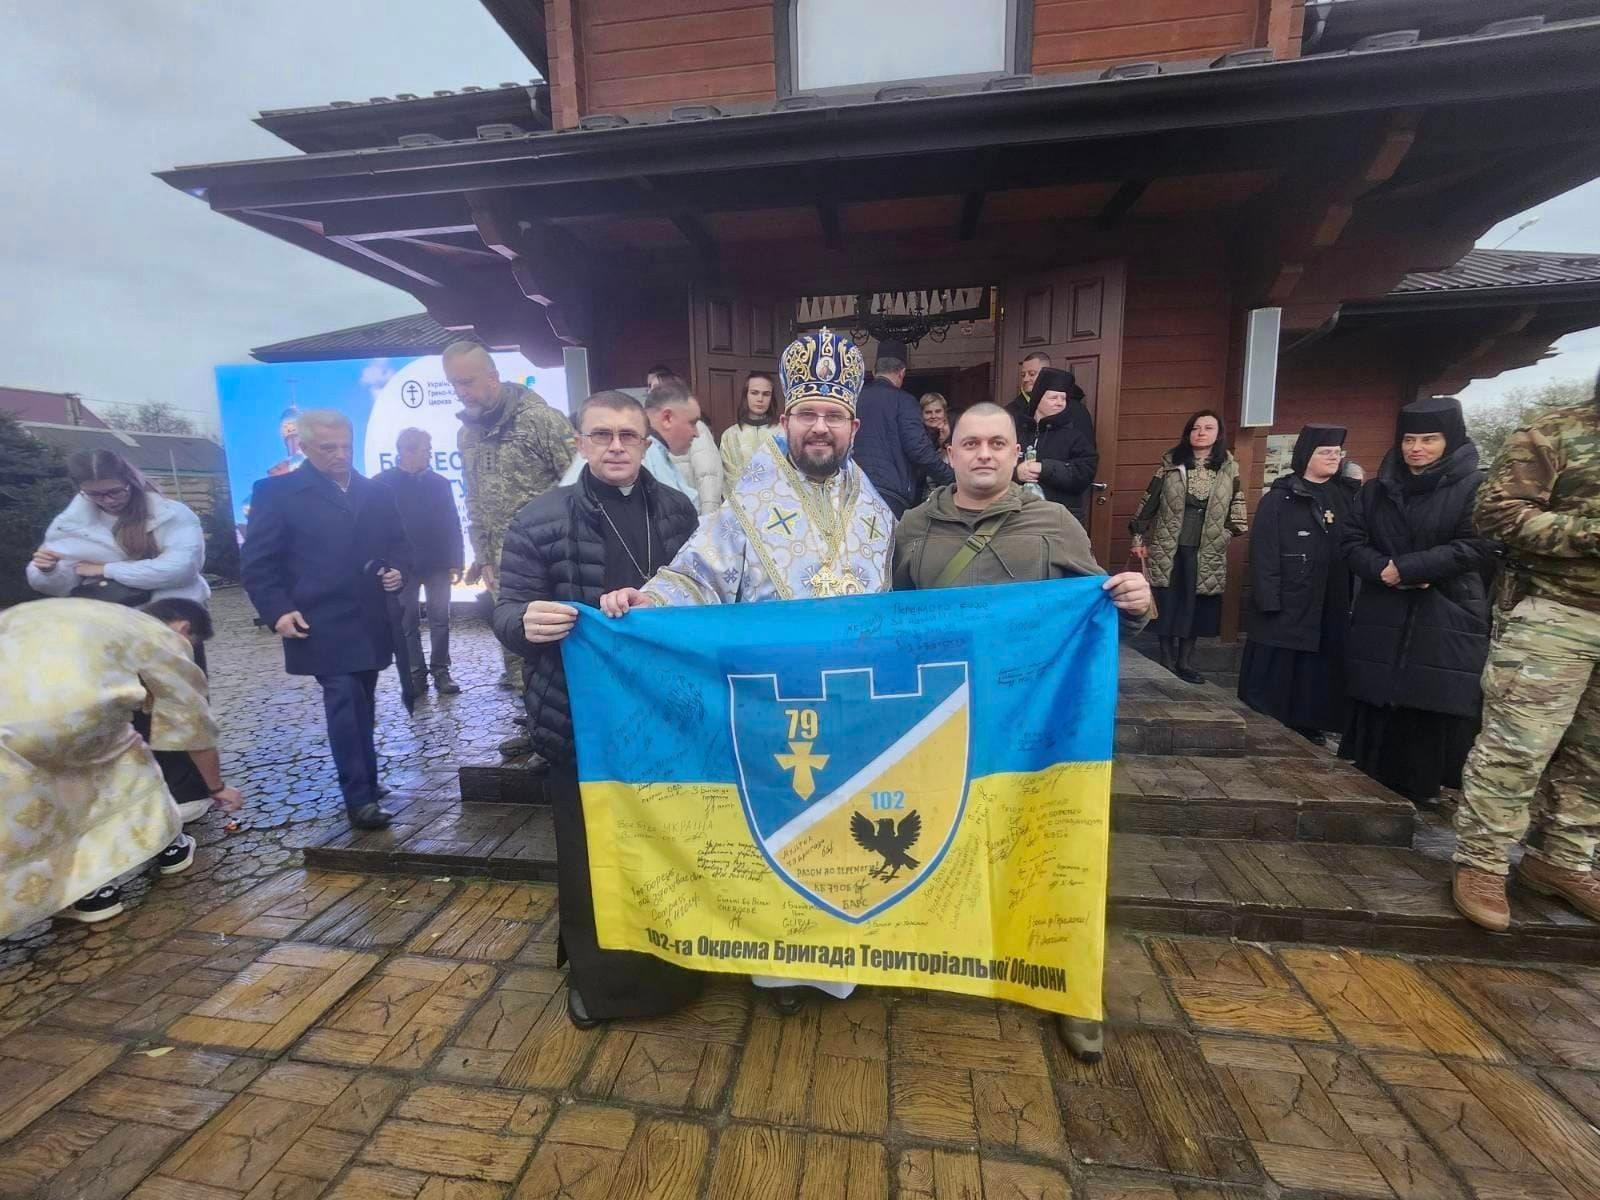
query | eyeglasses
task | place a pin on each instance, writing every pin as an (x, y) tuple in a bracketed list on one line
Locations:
[(111, 493), (628, 439), (806, 418)]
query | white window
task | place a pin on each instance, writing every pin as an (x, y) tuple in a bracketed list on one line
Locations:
[(848, 43)]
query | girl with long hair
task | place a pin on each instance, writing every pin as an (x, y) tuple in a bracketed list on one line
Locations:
[(118, 527)]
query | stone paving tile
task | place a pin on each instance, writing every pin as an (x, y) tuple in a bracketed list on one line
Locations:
[(257, 1031), (275, 753), (253, 1055)]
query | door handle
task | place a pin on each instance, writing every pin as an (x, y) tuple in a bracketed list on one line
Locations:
[(1104, 491)]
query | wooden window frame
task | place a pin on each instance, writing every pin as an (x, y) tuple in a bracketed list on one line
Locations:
[(786, 38)]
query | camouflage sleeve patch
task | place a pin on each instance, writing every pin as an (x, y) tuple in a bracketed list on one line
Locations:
[(1514, 502)]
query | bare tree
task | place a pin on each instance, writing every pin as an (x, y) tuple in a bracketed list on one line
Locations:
[(153, 416), (1491, 424)]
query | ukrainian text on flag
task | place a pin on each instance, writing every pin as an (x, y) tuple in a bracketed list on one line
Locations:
[(906, 790)]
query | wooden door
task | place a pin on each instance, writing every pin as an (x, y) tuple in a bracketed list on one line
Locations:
[(1073, 314), (733, 332), (970, 385)]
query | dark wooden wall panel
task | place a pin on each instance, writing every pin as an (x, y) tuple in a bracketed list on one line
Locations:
[(1075, 35), (1175, 360), (648, 55)]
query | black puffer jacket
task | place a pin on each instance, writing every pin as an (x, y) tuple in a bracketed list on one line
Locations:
[(1068, 458), (555, 550), (1297, 568), (1413, 646)]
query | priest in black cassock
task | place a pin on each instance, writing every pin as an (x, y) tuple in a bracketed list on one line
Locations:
[(1293, 666), (611, 529)]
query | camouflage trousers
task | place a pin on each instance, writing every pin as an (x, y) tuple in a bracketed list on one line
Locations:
[(511, 659), (1541, 720)]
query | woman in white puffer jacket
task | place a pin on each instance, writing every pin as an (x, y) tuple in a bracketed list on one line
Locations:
[(118, 526)]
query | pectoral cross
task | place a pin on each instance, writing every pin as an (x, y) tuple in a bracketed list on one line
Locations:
[(802, 762), (825, 582)]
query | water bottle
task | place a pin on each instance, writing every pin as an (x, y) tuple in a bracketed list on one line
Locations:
[(1033, 489)]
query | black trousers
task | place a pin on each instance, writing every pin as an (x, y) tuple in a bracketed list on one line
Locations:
[(348, 702), (613, 983), (437, 586)]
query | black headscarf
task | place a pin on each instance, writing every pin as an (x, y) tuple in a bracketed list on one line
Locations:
[(1054, 379), (1314, 437), (1438, 414)]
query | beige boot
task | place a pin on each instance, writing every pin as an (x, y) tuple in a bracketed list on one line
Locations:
[(1086, 1039), (1481, 898), (1578, 888)]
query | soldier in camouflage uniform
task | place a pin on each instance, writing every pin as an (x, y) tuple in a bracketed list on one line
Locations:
[(513, 447), (1541, 684)]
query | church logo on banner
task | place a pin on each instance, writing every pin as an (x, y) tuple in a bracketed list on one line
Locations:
[(853, 791)]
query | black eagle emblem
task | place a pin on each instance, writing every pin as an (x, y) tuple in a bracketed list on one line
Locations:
[(888, 841)]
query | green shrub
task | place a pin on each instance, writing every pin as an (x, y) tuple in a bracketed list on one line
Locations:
[(33, 489)]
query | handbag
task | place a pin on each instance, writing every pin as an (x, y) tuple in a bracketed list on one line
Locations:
[(101, 588)]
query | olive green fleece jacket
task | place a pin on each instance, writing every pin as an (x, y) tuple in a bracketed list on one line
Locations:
[(1039, 540)]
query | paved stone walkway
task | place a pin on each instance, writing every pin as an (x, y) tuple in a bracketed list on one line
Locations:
[(257, 1031), (343, 1036), (276, 753)]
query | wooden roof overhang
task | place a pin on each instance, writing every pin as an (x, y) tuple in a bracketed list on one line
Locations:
[(1331, 176), (1450, 338)]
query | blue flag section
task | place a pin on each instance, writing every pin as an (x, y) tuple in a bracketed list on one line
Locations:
[(908, 789)]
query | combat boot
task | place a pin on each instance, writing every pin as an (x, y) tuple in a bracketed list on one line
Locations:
[(1480, 896), (443, 684), (1578, 888)]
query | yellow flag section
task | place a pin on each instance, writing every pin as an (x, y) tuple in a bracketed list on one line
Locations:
[(1015, 911), (917, 797)]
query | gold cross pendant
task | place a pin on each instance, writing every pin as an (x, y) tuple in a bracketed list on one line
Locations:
[(825, 582)]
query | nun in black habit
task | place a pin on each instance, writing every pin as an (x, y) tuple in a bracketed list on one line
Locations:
[(1293, 666), (1419, 630)]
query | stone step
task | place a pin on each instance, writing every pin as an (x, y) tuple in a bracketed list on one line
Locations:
[(1315, 798), (1368, 897), (1365, 897), (435, 835), (1161, 726)]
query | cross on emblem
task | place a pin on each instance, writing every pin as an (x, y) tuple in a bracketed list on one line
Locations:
[(803, 763), (780, 520)]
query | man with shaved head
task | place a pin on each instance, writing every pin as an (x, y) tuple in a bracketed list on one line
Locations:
[(984, 529), (513, 447)]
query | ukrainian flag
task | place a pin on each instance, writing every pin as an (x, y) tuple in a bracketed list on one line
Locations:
[(908, 789)]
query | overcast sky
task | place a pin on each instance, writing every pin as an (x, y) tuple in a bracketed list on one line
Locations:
[(119, 287), (124, 289), (1569, 222)]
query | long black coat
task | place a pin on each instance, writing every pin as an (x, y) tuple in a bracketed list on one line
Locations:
[(305, 551), (1068, 458), (555, 550), (428, 511), (1297, 568), (893, 447), (1411, 646)]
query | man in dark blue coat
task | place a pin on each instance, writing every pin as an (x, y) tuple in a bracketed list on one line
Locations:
[(433, 527), (317, 536), (892, 446)]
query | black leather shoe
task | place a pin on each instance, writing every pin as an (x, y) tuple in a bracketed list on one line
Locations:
[(443, 684), (370, 816), (1189, 675), (576, 1012), (789, 1000)]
